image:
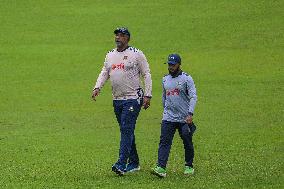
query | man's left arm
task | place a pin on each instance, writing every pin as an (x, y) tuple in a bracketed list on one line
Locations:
[(191, 91), (145, 72)]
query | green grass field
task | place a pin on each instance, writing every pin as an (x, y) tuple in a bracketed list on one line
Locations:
[(52, 135)]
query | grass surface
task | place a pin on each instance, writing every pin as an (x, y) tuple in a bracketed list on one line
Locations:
[(53, 136)]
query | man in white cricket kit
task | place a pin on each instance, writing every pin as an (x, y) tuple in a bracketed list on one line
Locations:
[(125, 66)]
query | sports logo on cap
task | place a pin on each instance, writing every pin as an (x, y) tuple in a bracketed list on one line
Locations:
[(174, 59)]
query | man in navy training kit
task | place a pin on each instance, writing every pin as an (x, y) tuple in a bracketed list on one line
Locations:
[(124, 66), (179, 99)]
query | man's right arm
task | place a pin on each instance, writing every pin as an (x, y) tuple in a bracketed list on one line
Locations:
[(103, 77)]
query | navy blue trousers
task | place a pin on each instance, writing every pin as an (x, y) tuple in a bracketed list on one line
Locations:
[(168, 130), (127, 112)]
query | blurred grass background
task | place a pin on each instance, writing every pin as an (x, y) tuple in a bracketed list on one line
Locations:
[(53, 136)]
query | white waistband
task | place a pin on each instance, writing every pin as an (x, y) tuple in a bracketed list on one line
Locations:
[(124, 97)]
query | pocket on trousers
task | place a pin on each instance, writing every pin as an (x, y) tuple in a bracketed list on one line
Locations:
[(191, 128)]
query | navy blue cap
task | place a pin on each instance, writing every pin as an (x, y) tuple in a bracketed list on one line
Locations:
[(122, 30), (174, 59)]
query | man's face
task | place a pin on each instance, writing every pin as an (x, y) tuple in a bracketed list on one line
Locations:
[(121, 40), (173, 68)]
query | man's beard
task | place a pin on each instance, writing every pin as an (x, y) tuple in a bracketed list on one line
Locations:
[(119, 43), (174, 73)]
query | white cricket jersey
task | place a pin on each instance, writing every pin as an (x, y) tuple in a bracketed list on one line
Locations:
[(124, 70)]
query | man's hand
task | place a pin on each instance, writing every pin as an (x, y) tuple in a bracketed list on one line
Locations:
[(188, 119), (96, 92), (146, 102)]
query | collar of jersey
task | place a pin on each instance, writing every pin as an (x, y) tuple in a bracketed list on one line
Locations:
[(123, 49), (178, 74)]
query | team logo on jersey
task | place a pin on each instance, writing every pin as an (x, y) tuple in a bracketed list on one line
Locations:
[(125, 58), (117, 66), (172, 92)]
